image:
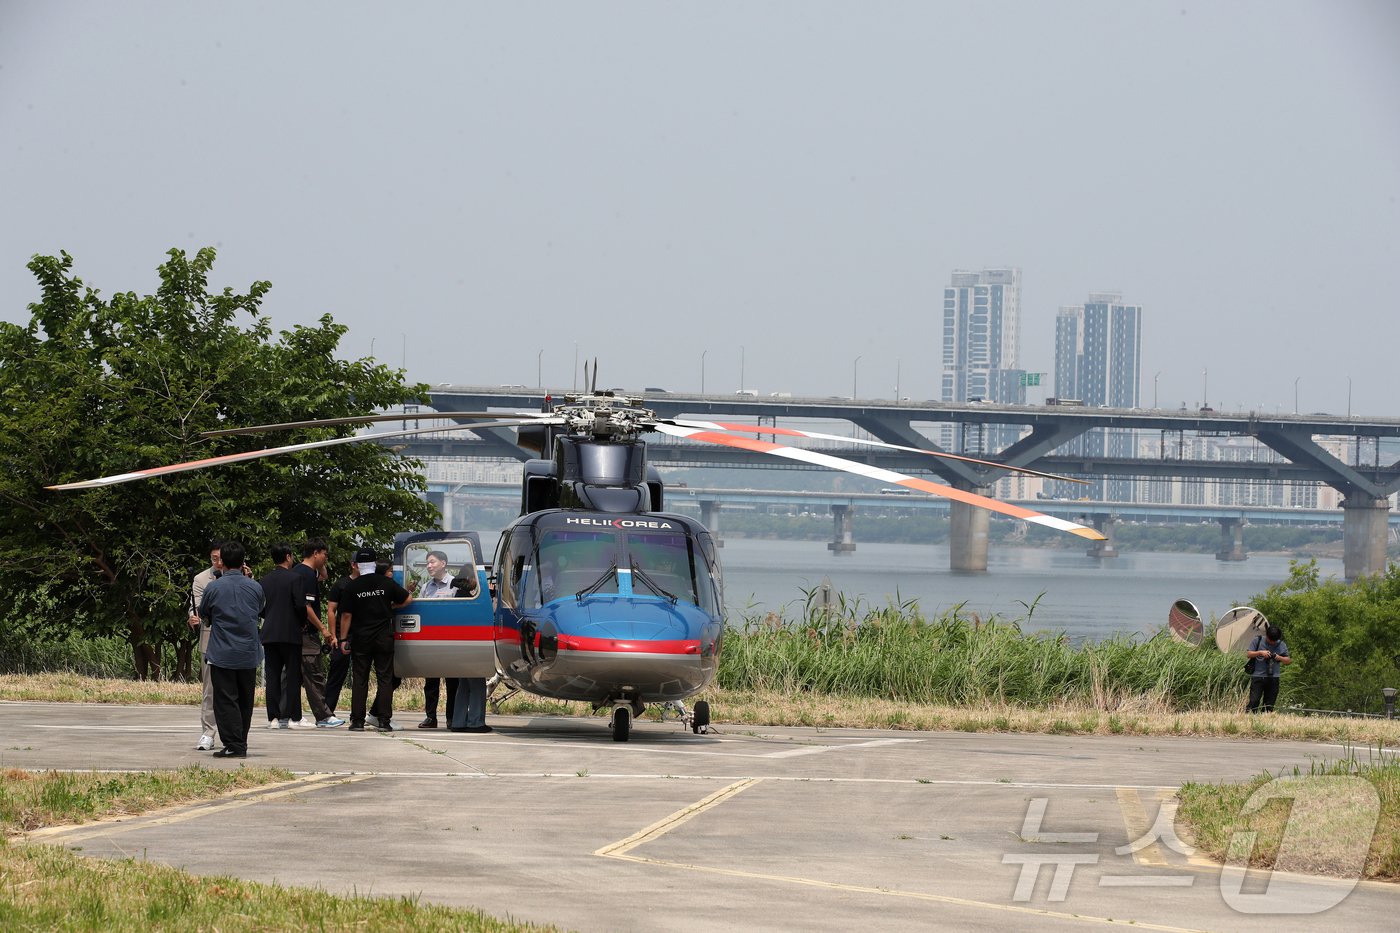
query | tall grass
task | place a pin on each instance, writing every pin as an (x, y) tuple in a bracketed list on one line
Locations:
[(894, 652), (102, 656)]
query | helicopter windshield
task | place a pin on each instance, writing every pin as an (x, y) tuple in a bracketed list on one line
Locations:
[(566, 562), (569, 562), (669, 565)]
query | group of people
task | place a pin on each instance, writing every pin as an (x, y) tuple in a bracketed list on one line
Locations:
[(277, 621)]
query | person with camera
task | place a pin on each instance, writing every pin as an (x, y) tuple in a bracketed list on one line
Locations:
[(1269, 653)]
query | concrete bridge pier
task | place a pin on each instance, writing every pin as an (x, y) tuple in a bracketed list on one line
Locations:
[(1104, 524), (968, 533), (843, 540), (443, 502), (1365, 525), (709, 517), (1231, 540)]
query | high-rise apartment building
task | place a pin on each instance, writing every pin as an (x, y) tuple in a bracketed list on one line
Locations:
[(981, 350), (1098, 360)]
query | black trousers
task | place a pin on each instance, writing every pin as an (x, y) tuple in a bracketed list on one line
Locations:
[(376, 652), (432, 691), (233, 704), (283, 680), (335, 677), (1263, 691)]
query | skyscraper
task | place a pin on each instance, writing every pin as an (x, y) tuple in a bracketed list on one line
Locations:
[(1098, 360), (981, 349)]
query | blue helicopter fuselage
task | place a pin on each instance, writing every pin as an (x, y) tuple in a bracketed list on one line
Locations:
[(590, 606)]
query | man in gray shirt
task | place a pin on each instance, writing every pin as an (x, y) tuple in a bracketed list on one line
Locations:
[(206, 708), (232, 607)]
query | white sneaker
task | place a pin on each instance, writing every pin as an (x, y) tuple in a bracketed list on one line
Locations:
[(277, 723), (206, 743), (330, 723), (301, 724)]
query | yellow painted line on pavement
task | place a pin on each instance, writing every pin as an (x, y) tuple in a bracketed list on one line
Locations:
[(243, 798), (665, 825), (620, 850)]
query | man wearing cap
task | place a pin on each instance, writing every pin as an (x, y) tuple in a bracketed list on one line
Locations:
[(232, 607), (367, 615)]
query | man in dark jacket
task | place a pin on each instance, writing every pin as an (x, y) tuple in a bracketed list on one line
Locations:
[(367, 614), (231, 606), (285, 614)]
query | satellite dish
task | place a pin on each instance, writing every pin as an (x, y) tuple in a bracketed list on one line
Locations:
[(1184, 622), (1238, 627)]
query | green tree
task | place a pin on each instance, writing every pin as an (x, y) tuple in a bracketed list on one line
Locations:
[(93, 387), (1344, 637)]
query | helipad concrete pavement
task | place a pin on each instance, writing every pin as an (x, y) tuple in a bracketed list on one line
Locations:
[(549, 820)]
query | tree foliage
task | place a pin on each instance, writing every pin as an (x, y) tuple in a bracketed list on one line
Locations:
[(1344, 637), (95, 386)]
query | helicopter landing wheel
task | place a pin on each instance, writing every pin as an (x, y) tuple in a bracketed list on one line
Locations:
[(621, 723), (700, 719)]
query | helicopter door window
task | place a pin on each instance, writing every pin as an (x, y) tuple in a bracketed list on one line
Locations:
[(440, 569), (514, 562)]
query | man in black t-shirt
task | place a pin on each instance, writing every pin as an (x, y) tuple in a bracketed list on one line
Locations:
[(367, 612), (315, 634), (284, 614), (340, 659)]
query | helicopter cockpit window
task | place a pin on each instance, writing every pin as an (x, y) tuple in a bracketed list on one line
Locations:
[(441, 569), (513, 565), (668, 565), (569, 562)]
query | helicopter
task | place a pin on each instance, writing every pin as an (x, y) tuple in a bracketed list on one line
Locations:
[(595, 593)]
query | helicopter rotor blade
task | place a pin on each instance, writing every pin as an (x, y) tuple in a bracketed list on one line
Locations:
[(369, 419), (862, 442), (885, 476), (206, 462)]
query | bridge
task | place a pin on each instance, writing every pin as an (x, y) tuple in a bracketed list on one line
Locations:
[(1290, 451), (843, 507)]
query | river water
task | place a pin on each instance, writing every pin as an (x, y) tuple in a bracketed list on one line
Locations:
[(1084, 597)]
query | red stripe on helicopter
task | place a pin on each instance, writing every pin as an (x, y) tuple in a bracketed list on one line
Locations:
[(450, 633), (577, 643)]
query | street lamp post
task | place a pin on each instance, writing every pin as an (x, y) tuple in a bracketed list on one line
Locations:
[(539, 369), (855, 378), (702, 371), (1205, 388), (1295, 395), (1154, 389), (1349, 400), (741, 369)]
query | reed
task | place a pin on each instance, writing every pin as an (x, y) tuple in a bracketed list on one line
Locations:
[(893, 652)]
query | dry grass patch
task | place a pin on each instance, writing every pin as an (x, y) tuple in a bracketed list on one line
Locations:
[(1143, 718), (1316, 824), (1116, 715)]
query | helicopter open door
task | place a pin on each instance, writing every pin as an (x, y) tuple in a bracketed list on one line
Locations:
[(447, 630)]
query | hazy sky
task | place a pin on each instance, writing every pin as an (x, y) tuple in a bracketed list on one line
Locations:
[(469, 184)]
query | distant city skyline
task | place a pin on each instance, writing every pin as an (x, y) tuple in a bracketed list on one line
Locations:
[(770, 193)]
